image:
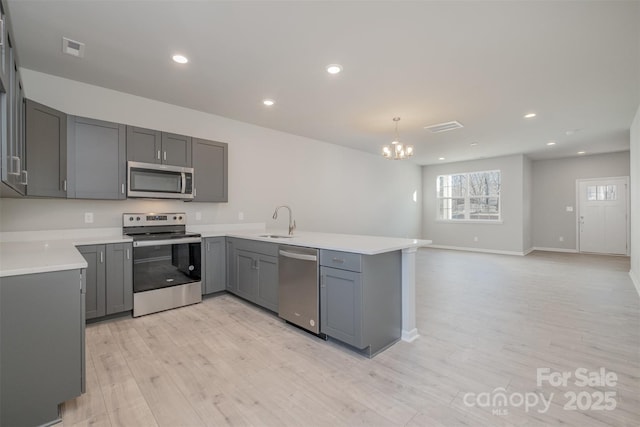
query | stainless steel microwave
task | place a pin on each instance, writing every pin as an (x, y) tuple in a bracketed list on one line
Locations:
[(159, 181)]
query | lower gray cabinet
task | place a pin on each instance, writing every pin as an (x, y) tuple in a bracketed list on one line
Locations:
[(97, 159), (255, 272), (109, 279), (361, 299), (214, 262), (341, 305), (41, 345)]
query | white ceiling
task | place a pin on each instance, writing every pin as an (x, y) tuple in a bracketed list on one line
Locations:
[(483, 63)]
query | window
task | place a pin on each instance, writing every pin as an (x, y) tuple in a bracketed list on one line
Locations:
[(601, 192), (469, 196)]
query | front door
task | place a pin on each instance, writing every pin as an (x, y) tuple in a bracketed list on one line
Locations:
[(602, 215)]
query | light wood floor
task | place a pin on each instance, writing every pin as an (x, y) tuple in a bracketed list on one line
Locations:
[(486, 321)]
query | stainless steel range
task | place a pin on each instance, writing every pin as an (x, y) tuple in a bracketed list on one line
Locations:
[(166, 262)]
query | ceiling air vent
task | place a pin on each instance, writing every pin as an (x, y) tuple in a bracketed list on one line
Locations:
[(72, 47), (443, 127)]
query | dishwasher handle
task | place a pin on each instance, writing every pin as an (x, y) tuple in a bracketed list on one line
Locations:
[(303, 257)]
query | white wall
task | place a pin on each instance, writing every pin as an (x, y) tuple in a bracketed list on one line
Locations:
[(330, 188), (507, 236), (527, 205), (635, 200), (554, 188)]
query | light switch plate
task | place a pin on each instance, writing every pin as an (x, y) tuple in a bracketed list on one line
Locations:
[(240, 216), (569, 208), (198, 216)]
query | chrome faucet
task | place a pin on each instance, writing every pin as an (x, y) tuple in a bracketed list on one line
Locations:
[(292, 222)]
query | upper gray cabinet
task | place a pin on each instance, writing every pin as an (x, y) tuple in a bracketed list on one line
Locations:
[(153, 146), (144, 145), (97, 159), (176, 149), (210, 163), (14, 168), (46, 148)]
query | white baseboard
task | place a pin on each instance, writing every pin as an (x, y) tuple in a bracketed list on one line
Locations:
[(410, 336), (528, 251), (636, 281), (487, 251), (569, 251)]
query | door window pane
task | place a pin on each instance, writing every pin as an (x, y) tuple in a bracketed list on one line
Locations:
[(591, 193)]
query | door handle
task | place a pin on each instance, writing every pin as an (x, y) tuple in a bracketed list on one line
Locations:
[(15, 160), (64, 185), (158, 154), (128, 254), (164, 156), (101, 257), (122, 188), (25, 180)]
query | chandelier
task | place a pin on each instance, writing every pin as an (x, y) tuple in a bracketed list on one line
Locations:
[(397, 150)]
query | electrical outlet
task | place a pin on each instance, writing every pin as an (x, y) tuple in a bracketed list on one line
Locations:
[(241, 216), (198, 216), (569, 208), (561, 239), (475, 239), (88, 217)]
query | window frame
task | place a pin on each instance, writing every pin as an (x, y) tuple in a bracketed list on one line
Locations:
[(466, 197)]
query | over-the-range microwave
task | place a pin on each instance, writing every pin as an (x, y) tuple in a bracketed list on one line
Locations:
[(159, 181)]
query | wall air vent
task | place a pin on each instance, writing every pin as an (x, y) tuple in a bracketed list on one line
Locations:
[(72, 47), (444, 127)]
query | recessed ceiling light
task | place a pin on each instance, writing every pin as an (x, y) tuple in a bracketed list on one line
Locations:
[(582, 152), (334, 68), (180, 59), (268, 102), (529, 115), (440, 158), (474, 144), (550, 143)]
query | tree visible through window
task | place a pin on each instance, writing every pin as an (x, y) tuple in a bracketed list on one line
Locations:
[(469, 196)]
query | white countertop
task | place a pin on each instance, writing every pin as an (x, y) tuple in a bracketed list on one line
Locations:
[(29, 252), (366, 245)]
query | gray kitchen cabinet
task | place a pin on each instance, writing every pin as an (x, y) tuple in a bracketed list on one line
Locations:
[(255, 272), (176, 149), (4, 35), (210, 163), (119, 278), (96, 280), (14, 168), (46, 145), (41, 345), (109, 279), (154, 146), (96, 159), (231, 264), (360, 299), (214, 262), (144, 145)]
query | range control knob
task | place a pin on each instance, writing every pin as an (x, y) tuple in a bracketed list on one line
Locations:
[(138, 218), (175, 217), (180, 218), (130, 218)]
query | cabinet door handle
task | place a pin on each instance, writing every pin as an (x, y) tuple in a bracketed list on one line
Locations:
[(64, 185), (164, 156), (101, 257), (122, 188), (208, 247), (128, 254), (25, 180), (1, 32), (338, 260), (158, 154), (194, 192), (322, 281)]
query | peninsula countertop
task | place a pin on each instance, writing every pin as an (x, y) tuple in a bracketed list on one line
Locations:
[(55, 250)]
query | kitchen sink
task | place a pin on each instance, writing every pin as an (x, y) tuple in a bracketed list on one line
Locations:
[(275, 236)]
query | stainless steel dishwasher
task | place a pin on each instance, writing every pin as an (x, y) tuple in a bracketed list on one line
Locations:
[(298, 293)]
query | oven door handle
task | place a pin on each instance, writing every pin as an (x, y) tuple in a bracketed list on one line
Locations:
[(184, 183), (144, 243)]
